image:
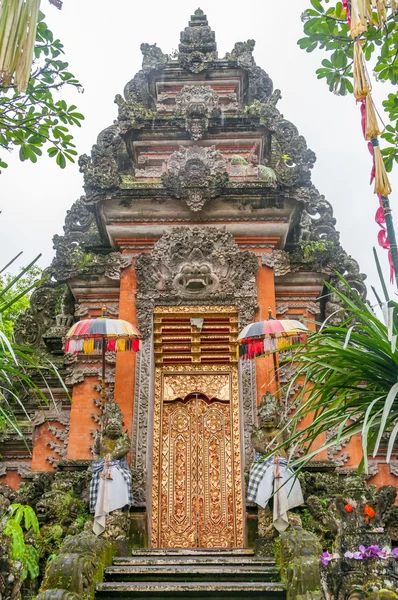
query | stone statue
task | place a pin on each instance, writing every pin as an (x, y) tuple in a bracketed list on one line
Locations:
[(270, 481), (268, 433), (110, 489)]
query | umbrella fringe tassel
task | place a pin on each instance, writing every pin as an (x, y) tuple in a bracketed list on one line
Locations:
[(93, 345)]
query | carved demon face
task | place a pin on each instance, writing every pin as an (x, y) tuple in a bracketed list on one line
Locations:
[(269, 411), (113, 429), (194, 278), (195, 173)]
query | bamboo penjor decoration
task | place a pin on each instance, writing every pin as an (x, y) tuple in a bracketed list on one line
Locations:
[(18, 24), (361, 14)]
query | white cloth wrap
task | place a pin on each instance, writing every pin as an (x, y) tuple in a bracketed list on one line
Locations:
[(285, 489), (112, 494)]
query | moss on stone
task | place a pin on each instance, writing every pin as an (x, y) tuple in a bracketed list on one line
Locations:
[(79, 566)]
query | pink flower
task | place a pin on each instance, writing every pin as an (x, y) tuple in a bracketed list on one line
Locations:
[(355, 555), (394, 553), (373, 551), (325, 558)]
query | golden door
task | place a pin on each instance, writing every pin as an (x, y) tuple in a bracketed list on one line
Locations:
[(197, 498)]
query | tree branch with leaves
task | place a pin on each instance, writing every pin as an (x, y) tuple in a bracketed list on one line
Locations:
[(33, 119)]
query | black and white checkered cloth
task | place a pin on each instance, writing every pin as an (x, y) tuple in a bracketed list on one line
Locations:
[(97, 468), (257, 472)]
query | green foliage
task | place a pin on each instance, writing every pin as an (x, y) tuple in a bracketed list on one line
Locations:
[(238, 160), (326, 28), (316, 250), (21, 368), (267, 174), (21, 289), (349, 378), (23, 518), (35, 119)]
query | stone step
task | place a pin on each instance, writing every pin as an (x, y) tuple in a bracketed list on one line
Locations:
[(191, 573), (193, 551), (182, 559), (197, 589)]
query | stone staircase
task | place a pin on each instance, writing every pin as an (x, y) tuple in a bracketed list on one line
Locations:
[(191, 573)]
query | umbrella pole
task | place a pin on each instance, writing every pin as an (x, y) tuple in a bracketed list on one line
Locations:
[(276, 375), (103, 374)]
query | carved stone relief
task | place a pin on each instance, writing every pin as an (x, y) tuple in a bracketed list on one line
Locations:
[(196, 265), (198, 103), (21, 467), (334, 453), (140, 440), (82, 310), (40, 317), (55, 417), (394, 467), (279, 260), (195, 174), (198, 44), (248, 395)]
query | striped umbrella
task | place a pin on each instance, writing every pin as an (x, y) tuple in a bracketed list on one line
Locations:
[(102, 335), (263, 337)]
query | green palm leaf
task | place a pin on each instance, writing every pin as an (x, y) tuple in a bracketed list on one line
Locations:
[(349, 377)]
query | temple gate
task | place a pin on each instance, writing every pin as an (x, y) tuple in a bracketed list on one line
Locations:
[(198, 215)]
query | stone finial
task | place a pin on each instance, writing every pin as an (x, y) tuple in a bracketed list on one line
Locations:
[(198, 43)]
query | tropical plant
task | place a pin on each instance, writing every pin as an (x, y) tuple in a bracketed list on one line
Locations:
[(22, 518), (30, 115), (22, 288), (22, 369), (349, 378)]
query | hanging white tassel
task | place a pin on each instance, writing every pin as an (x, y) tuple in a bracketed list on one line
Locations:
[(359, 23), (381, 7)]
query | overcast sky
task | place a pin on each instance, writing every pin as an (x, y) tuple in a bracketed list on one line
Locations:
[(102, 44)]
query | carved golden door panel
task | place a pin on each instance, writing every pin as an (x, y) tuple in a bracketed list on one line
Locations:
[(197, 500)]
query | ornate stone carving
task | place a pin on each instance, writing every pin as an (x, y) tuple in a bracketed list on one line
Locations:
[(345, 577), (54, 418), (332, 304), (110, 439), (279, 260), (144, 374), (373, 468), (260, 86), (393, 466), (40, 317), (195, 265), (152, 57), (59, 446), (77, 374), (20, 466), (247, 376), (198, 44), (41, 416), (82, 310), (334, 453), (71, 261), (195, 174), (55, 335), (270, 421), (78, 217), (242, 54), (198, 104), (101, 172)]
